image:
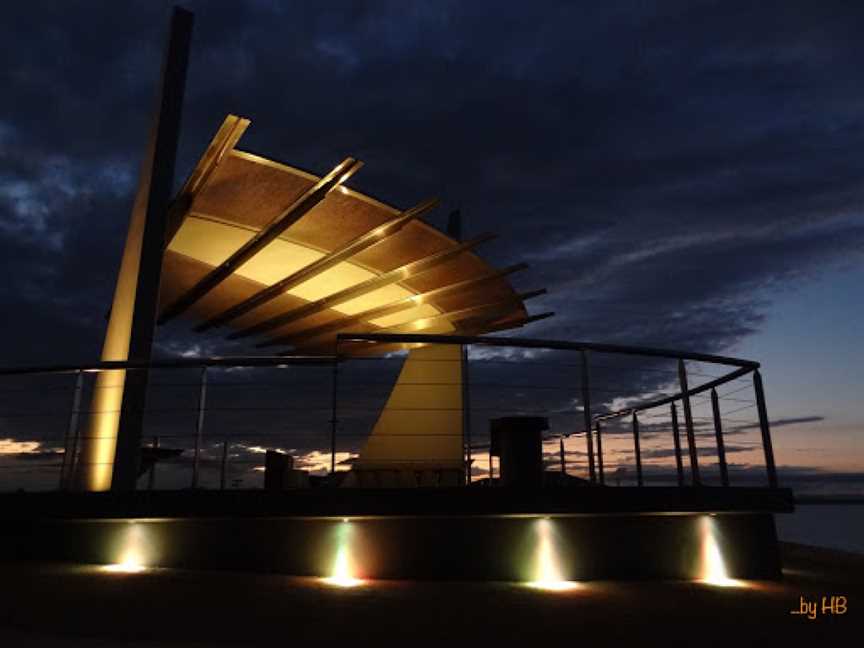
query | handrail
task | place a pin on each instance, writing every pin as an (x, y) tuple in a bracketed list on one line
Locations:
[(172, 363), (533, 343), (743, 371)]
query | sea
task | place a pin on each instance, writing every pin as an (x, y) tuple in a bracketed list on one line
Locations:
[(837, 526)]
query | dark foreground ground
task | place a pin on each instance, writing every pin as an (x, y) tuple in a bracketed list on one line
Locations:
[(58, 605)]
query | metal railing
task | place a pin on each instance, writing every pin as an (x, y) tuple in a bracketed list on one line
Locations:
[(616, 413)]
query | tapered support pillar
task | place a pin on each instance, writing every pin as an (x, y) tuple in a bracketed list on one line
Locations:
[(676, 437), (688, 422), (766, 432), (718, 433), (637, 450), (117, 425), (586, 413), (157, 185), (110, 451)]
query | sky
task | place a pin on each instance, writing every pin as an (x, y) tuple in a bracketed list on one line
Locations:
[(678, 174)]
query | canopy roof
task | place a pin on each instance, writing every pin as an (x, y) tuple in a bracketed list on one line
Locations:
[(289, 259)]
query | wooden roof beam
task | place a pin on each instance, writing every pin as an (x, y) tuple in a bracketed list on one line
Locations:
[(223, 142), (454, 316)]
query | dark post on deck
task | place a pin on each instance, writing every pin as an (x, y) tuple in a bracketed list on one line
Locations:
[(158, 173), (600, 453), (70, 447), (766, 432), (677, 438), (718, 432), (224, 467), (586, 410), (466, 413), (637, 450), (151, 484), (688, 422), (333, 419), (199, 427)]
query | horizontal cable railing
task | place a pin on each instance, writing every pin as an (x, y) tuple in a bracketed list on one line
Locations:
[(645, 423)]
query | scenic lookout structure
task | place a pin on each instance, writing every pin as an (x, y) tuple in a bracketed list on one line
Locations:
[(310, 273)]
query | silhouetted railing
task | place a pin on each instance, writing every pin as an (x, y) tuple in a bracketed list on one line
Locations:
[(617, 415)]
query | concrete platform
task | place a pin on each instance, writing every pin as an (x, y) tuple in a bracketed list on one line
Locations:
[(441, 534), (337, 502)]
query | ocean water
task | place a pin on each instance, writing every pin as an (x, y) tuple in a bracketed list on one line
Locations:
[(838, 526)]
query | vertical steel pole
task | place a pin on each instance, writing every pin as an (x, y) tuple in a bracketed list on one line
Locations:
[(333, 420), (718, 433), (600, 454), (677, 438), (466, 414), (766, 432), (586, 411), (638, 450), (152, 482), (156, 184), (70, 444), (224, 466), (688, 422), (199, 427)]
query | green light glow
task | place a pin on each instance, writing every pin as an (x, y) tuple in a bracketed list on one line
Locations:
[(343, 573)]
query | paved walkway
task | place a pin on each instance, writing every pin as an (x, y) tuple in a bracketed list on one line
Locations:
[(65, 606)]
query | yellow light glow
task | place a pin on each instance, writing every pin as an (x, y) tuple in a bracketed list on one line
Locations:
[(96, 458), (712, 567), (132, 559), (213, 242), (343, 573), (128, 566), (407, 315), (548, 574)]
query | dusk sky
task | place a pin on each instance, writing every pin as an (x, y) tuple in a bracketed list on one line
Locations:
[(681, 174)]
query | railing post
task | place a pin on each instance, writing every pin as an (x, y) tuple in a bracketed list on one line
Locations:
[(677, 438), (586, 410), (333, 422), (638, 450), (718, 432), (67, 467), (688, 422), (561, 451), (466, 413), (152, 481), (199, 426), (600, 454), (224, 466), (766, 432)]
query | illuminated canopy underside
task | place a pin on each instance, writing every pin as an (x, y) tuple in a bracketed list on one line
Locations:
[(232, 196)]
